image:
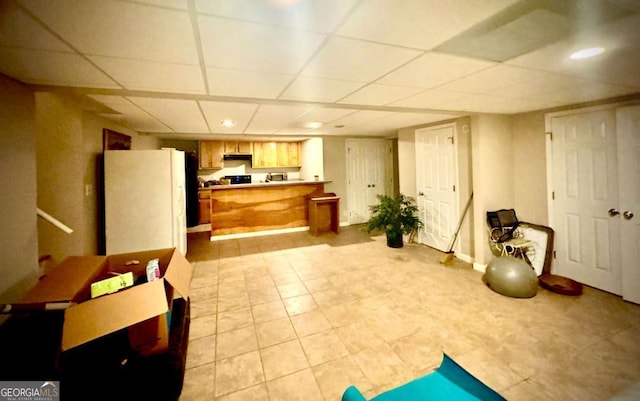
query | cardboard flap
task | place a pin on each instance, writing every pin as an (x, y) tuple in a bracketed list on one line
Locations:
[(179, 274), (104, 315), (65, 280)]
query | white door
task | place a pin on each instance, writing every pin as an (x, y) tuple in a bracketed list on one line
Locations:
[(367, 176), (628, 120), (585, 188), (436, 178)]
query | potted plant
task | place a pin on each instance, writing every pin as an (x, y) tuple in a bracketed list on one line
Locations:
[(395, 216)]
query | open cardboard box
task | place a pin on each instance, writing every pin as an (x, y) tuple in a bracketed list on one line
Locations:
[(142, 308)]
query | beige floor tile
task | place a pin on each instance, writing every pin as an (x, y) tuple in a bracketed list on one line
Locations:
[(202, 293), (201, 351), (238, 372), (310, 323), (202, 326), (323, 347), (317, 284), (283, 359), (263, 295), (233, 301), (300, 386), (198, 383), (269, 311), (235, 342), (335, 376), (234, 319), (489, 369), (299, 304), (274, 332), (290, 290), (381, 365), (358, 336), (255, 393), (204, 307)]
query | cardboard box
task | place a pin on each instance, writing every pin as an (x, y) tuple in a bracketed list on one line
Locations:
[(142, 308)]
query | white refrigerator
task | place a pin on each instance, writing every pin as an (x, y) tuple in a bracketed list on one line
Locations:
[(145, 200)]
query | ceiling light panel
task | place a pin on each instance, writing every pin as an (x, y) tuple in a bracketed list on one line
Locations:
[(153, 76), (421, 24), (434, 69), (104, 27), (182, 116), (240, 113), (266, 85), (255, 47), (352, 60), (52, 68), (312, 15), (319, 89)]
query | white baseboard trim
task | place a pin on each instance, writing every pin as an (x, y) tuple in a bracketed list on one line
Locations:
[(479, 267)]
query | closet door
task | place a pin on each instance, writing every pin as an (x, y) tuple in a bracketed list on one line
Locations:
[(366, 176), (585, 189), (628, 127)]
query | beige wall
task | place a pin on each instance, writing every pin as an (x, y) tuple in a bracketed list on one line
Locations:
[(335, 169), (69, 148), (529, 168), (18, 233)]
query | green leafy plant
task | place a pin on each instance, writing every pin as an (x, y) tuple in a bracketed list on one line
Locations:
[(395, 216)]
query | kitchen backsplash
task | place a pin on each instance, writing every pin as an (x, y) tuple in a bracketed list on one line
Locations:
[(238, 167)]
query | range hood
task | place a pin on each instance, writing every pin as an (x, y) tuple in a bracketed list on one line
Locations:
[(237, 156)]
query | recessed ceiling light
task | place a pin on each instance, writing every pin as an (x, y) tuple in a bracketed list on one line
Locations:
[(586, 53), (313, 125), (228, 123)]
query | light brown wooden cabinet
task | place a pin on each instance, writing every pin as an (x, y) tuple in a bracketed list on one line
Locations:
[(276, 154), (204, 206), (211, 154), (241, 147)]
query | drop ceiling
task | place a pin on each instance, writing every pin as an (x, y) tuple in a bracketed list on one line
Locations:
[(177, 68)]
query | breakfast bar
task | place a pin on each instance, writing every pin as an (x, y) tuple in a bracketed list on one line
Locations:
[(247, 208)]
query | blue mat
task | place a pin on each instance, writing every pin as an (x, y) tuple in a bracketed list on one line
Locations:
[(449, 382)]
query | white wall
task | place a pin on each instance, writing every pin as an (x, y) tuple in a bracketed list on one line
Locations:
[(18, 233), (311, 154)]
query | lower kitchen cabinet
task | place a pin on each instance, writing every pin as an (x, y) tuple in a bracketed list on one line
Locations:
[(204, 206)]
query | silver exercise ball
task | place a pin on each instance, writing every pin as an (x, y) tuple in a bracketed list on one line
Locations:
[(512, 277)]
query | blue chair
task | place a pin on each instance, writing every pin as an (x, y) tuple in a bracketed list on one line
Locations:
[(449, 382)]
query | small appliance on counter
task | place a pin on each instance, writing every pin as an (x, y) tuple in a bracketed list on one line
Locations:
[(238, 179), (276, 177)]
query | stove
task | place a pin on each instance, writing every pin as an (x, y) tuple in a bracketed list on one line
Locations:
[(238, 179)]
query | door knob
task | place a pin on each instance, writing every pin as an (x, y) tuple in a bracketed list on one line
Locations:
[(613, 212), (628, 215), (420, 193)]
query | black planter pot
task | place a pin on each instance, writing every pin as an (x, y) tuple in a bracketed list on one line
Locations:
[(394, 240)]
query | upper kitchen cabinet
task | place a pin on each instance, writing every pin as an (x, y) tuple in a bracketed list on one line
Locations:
[(237, 147), (276, 154), (211, 154)]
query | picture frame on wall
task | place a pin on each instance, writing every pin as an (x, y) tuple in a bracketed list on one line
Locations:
[(112, 140)]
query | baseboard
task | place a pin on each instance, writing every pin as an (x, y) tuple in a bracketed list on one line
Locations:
[(479, 267)]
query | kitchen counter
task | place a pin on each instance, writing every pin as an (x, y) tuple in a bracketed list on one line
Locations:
[(265, 184), (245, 208)]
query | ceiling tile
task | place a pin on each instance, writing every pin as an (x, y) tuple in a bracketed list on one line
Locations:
[(434, 69), (430, 99), (325, 114), (421, 24), (182, 116), (266, 85), (270, 118), (129, 115), (351, 60), (378, 95), (319, 89), (216, 112), (104, 27), (498, 76), (153, 76), (254, 47), (313, 15), (52, 68), (17, 29), (361, 117)]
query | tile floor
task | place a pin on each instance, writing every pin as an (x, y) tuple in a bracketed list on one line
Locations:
[(295, 317)]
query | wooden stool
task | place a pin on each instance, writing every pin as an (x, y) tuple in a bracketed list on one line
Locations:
[(323, 208)]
